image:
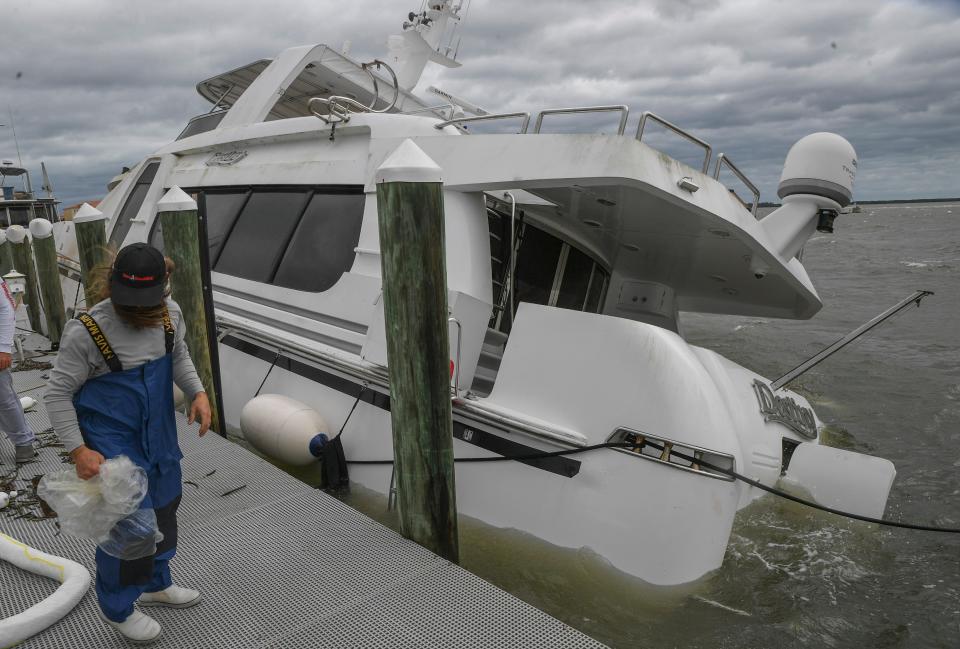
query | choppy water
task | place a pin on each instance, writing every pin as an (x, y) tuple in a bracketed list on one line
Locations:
[(795, 577)]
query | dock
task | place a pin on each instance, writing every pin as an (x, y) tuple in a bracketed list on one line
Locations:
[(279, 563)]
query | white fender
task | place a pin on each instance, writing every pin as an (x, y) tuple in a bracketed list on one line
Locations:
[(74, 580), (284, 428)]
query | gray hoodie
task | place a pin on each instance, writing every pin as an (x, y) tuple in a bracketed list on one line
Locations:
[(79, 360)]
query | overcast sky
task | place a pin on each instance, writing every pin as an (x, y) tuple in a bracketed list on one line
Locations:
[(94, 85)]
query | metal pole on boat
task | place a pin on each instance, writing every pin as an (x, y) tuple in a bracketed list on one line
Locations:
[(90, 228), (180, 222), (22, 258), (6, 261), (48, 277), (410, 210)]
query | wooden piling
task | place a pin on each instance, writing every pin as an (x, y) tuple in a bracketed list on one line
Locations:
[(48, 278), (410, 209), (6, 261), (181, 240), (89, 227), (22, 258)]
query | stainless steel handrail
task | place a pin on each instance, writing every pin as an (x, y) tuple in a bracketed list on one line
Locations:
[(456, 380), (513, 254), (376, 88), (679, 131), (623, 110), (722, 159), (428, 109), (337, 106), (487, 118)]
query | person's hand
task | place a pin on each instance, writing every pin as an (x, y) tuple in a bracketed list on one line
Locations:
[(200, 411), (88, 462), (4, 361)]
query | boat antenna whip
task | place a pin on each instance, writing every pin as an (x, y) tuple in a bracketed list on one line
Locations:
[(849, 338)]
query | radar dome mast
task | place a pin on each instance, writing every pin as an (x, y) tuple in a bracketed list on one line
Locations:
[(427, 36)]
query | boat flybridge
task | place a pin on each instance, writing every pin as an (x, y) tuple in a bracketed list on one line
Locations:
[(569, 259)]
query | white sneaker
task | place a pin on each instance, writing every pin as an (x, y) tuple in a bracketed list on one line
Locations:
[(138, 627), (173, 596)]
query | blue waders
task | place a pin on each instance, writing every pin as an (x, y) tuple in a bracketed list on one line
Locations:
[(130, 412)]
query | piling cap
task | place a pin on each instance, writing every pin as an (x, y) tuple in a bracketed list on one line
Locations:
[(16, 234), (87, 212), (41, 229), (408, 164), (176, 200)]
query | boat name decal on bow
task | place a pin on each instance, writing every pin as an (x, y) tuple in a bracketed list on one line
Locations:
[(785, 411), (226, 158)]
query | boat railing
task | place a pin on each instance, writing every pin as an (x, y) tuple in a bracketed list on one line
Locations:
[(623, 110), (723, 160), (338, 107), (487, 118), (450, 108), (679, 131)]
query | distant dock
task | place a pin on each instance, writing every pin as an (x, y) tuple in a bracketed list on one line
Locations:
[(280, 564)]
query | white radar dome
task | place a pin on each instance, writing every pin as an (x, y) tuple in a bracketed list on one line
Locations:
[(822, 164)]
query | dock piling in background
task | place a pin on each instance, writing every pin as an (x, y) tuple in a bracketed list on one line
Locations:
[(22, 258), (181, 238), (48, 278), (6, 261), (410, 211), (90, 229)]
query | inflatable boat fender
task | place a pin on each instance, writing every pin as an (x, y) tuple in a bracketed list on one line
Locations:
[(284, 429)]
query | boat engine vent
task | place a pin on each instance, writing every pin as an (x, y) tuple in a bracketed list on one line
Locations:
[(673, 453)]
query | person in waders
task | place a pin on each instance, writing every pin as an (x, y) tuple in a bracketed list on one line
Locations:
[(110, 394)]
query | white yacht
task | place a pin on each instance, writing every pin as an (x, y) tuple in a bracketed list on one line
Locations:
[(570, 259)]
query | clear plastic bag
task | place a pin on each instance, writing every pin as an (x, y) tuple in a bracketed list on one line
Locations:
[(105, 508), (133, 537)]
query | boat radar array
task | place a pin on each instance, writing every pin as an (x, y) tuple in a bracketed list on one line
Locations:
[(570, 257)]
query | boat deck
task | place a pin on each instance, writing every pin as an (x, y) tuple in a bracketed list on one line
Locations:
[(280, 564)]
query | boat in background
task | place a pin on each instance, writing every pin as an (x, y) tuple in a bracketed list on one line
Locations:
[(571, 258), (19, 207)]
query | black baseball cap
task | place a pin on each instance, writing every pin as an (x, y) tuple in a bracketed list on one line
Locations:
[(138, 276)]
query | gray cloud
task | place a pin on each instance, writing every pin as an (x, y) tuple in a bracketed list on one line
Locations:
[(104, 82)]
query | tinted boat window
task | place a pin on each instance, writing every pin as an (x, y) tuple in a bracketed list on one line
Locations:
[(202, 124), (597, 284), (133, 204), (576, 276), (260, 236), (222, 209), (536, 266), (323, 245)]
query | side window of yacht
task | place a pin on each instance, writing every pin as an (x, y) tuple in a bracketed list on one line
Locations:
[(598, 286), (133, 204), (572, 293), (537, 261), (548, 271), (323, 246), (257, 241), (221, 210), (299, 238)]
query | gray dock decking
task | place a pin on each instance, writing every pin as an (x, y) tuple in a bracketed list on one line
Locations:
[(280, 564)]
